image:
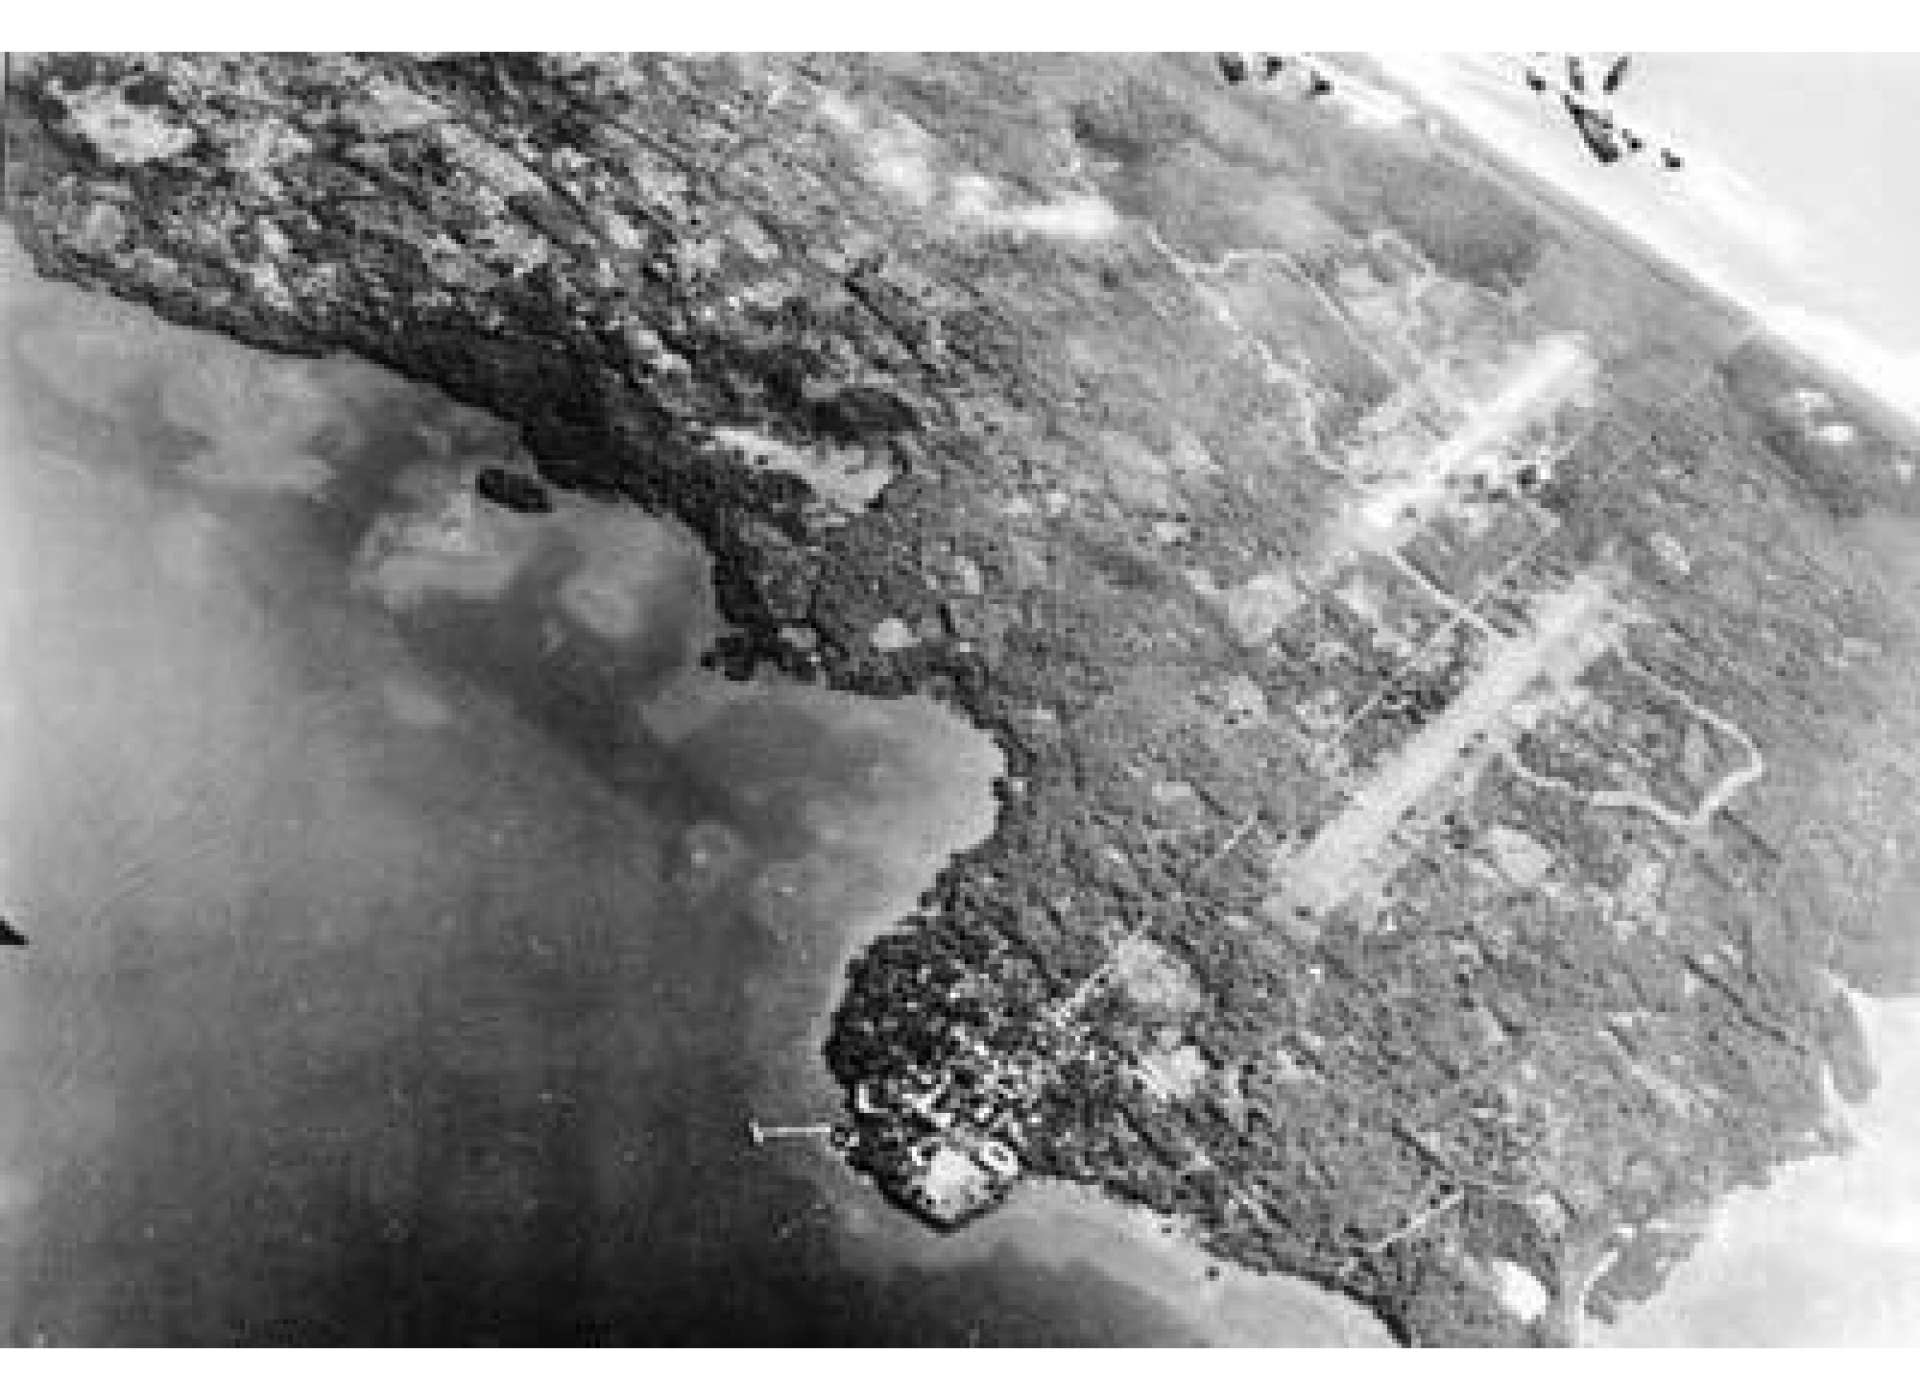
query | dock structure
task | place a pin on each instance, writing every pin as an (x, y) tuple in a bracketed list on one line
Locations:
[(765, 1133)]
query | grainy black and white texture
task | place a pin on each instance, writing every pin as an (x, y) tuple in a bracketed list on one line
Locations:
[(1450, 753)]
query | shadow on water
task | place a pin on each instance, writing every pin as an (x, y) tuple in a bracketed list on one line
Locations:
[(369, 999)]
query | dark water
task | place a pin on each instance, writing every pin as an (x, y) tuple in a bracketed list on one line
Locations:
[(411, 939)]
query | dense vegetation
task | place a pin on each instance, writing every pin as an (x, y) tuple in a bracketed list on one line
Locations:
[(1095, 439)]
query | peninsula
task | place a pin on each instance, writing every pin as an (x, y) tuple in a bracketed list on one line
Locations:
[(1454, 755)]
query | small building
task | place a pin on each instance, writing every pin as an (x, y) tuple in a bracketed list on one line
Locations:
[(998, 1158)]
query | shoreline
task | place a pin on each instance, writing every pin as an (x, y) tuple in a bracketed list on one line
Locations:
[(1845, 1225), (1045, 1223), (1063, 1225), (1649, 224), (849, 591), (1844, 1228)]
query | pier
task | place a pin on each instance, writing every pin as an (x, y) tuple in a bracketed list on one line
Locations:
[(765, 1133)]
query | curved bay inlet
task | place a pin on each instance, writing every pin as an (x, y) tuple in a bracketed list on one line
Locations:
[(415, 926)]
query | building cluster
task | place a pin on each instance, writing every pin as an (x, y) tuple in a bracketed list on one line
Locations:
[(944, 1140)]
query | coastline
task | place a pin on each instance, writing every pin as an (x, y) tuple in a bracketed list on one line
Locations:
[(1838, 1234), (1827, 1253), (793, 901), (887, 566), (1045, 1225), (1059, 1225), (1535, 161), (1705, 252)]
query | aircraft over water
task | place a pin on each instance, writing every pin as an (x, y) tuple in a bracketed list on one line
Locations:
[(1585, 85)]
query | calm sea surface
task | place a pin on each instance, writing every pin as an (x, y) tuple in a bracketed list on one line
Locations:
[(413, 932)]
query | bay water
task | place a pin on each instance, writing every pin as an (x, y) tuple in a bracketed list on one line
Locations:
[(415, 926)]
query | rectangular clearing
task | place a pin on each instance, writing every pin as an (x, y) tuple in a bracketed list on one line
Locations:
[(1568, 632)]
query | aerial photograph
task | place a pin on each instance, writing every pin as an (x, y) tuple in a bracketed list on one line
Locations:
[(773, 699)]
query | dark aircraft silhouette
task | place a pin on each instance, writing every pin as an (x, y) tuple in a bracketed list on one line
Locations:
[(1602, 133), (1238, 67), (10, 937), (1605, 137)]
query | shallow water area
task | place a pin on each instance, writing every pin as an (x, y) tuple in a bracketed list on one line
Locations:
[(414, 929)]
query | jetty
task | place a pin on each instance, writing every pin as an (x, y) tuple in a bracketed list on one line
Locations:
[(762, 1133)]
